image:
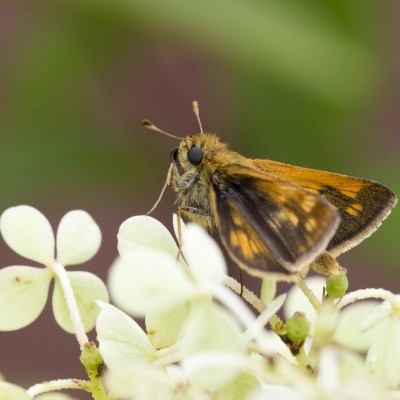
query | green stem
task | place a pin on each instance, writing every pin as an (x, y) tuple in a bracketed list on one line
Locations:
[(96, 387), (92, 361), (301, 284)]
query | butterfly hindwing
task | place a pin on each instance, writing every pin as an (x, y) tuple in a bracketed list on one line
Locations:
[(269, 224)]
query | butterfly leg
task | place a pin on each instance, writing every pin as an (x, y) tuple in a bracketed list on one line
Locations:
[(201, 213), (192, 213)]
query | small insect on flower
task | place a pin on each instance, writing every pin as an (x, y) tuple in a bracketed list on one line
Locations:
[(273, 218)]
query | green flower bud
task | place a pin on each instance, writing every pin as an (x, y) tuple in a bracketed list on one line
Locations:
[(90, 357), (297, 327), (337, 285)]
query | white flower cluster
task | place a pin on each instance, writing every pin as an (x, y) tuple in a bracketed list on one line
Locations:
[(201, 340)]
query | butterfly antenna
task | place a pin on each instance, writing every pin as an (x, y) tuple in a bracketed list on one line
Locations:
[(149, 125), (196, 113)]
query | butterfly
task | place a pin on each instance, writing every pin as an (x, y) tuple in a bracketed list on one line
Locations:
[(272, 218)]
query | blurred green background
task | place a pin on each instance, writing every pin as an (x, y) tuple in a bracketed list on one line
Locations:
[(311, 83)]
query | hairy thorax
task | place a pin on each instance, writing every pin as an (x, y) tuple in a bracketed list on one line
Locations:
[(192, 183)]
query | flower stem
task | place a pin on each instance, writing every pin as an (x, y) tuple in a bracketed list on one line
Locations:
[(96, 387), (370, 293), (301, 284), (71, 304), (58, 384), (247, 294)]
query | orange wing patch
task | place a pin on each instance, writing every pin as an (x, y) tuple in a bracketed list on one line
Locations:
[(268, 224), (363, 204)]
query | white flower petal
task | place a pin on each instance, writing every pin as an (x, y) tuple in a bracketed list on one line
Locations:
[(23, 295), (257, 327), (351, 366), (203, 255), (297, 301), (328, 368), (276, 392), (147, 281), (273, 345), (211, 370), (9, 391), (213, 346), (164, 328), (141, 382), (87, 289), (122, 341), (78, 238), (376, 315), (238, 388), (28, 232), (143, 232), (348, 331), (207, 318), (384, 354)]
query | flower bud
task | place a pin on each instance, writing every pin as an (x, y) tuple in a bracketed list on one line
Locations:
[(90, 357), (297, 327), (337, 285)]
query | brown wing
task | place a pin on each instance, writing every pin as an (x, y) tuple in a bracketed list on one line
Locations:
[(268, 224), (362, 204)]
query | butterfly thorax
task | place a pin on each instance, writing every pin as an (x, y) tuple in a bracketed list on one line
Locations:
[(192, 182)]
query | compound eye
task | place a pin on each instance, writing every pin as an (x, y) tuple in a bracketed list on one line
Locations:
[(195, 155), (174, 155)]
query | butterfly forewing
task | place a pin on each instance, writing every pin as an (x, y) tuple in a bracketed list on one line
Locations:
[(270, 224), (362, 204)]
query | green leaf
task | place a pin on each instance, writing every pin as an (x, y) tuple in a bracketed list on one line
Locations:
[(87, 289), (23, 295)]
